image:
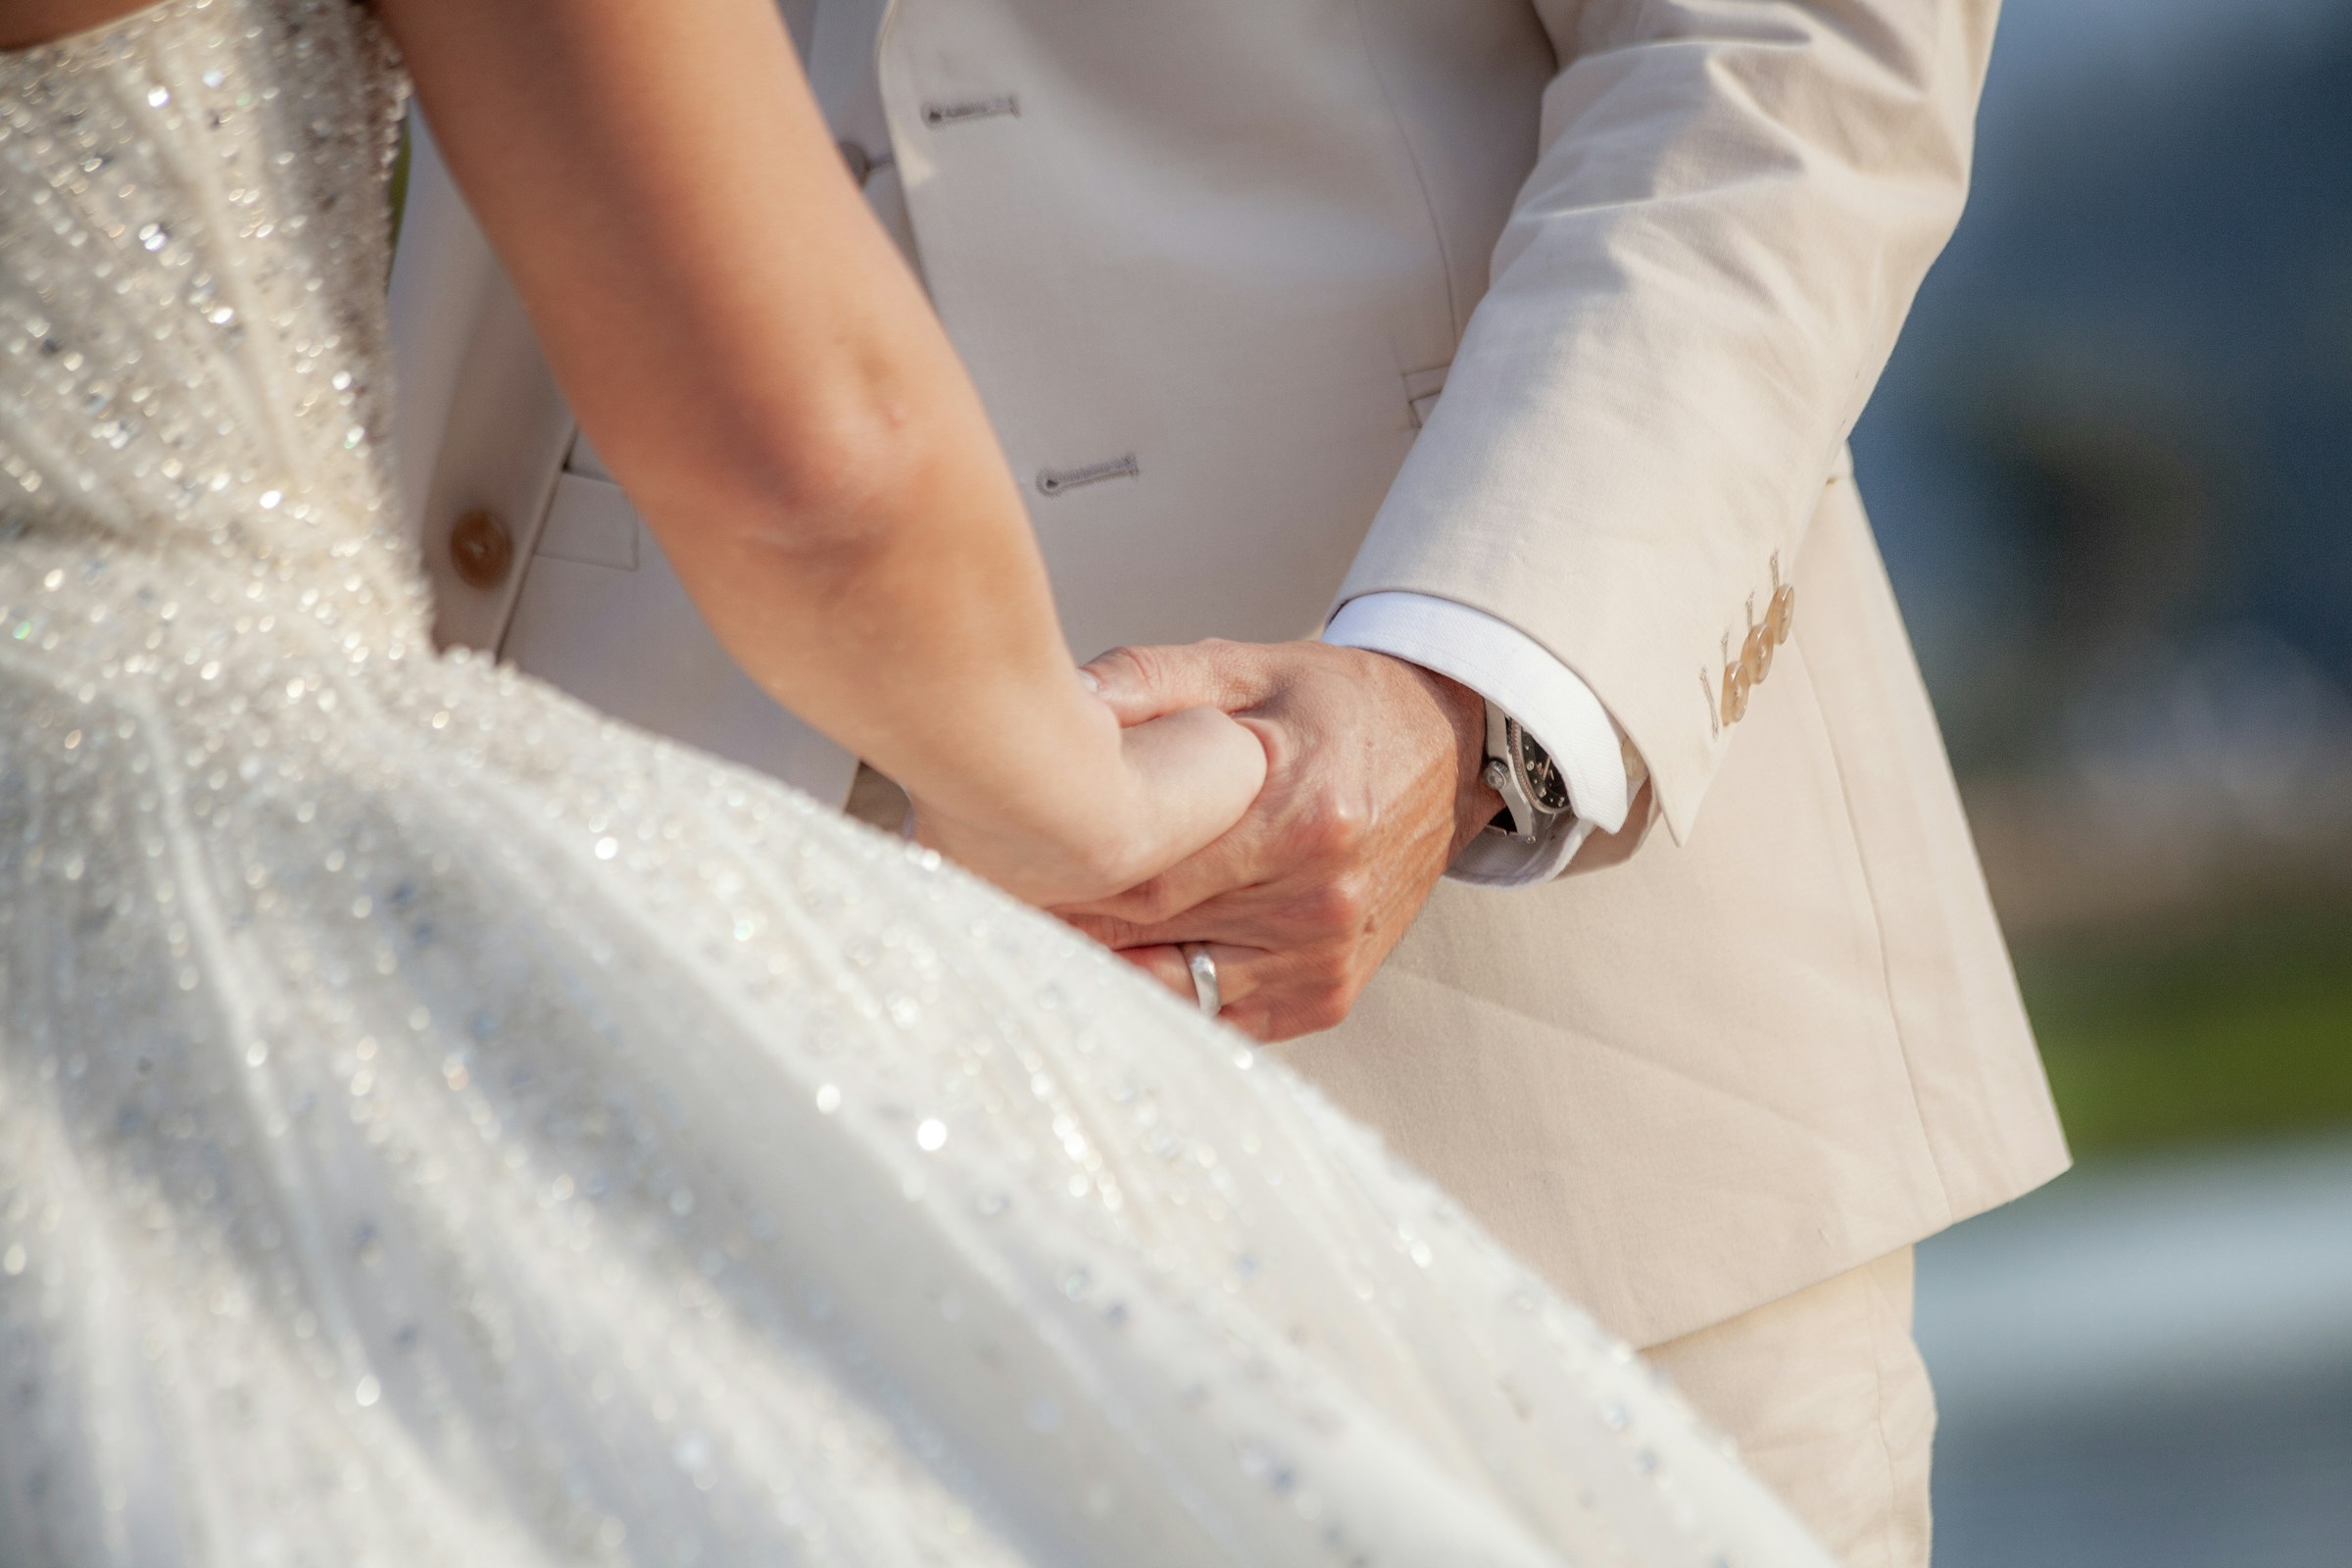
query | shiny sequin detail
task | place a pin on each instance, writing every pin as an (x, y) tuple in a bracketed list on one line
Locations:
[(439, 1125)]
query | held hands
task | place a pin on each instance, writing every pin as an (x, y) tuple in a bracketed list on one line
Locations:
[(1127, 800), (1371, 788)]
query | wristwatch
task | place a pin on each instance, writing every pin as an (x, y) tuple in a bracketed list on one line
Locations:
[(1519, 769)]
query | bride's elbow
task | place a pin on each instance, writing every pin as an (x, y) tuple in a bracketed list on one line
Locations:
[(827, 489)]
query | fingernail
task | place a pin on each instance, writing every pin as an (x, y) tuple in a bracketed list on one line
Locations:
[(1092, 681)]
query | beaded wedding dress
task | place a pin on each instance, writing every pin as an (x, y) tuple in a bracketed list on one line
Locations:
[(439, 1126)]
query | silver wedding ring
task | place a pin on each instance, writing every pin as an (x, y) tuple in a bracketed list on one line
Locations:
[(1204, 978)]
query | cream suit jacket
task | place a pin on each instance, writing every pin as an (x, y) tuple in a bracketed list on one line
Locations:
[(1561, 311)]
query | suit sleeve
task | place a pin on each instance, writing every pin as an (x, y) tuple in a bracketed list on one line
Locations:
[(1733, 205)]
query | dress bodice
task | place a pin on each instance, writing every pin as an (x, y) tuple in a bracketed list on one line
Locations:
[(194, 241)]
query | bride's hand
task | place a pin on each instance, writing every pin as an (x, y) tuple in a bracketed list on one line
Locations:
[(1145, 798)]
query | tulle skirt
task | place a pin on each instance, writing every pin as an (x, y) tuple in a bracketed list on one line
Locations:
[(440, 1125)]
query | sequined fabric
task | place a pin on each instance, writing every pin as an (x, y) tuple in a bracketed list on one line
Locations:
[(440, 1126)]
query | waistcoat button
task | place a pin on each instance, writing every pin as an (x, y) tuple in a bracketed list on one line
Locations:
[(862, 165), (482, 550)]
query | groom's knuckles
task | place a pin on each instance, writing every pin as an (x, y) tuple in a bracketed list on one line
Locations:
[(1331, 828), (1308, 1005), (1319, 864), (1318, 910), (1285, 991), (1330, 993)]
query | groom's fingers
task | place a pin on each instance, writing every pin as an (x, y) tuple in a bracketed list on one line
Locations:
[(1171, 966), (1145, 683), (1299, 956), (1234, 862), (1264, 847), (1282, 913), (1267, 995), (1370, 786)]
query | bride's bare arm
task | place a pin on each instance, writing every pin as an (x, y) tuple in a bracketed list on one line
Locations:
[(761, 369)]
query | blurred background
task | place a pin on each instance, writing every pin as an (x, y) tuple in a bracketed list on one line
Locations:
[(2111, 468)]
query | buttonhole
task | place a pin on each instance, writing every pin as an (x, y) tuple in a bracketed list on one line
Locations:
[(959, 111), (1055, 482)]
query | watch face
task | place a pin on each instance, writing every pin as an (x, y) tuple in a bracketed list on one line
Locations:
[(1544, 786)]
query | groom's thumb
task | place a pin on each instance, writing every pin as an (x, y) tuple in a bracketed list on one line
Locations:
[(1142, 684)]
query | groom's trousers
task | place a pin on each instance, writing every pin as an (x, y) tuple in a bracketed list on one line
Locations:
[(1830, 1402)]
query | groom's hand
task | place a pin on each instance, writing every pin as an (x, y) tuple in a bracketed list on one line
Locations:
[(1372, 787)]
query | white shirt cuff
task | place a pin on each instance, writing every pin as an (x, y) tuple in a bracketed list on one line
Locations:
[(1513, 672)]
